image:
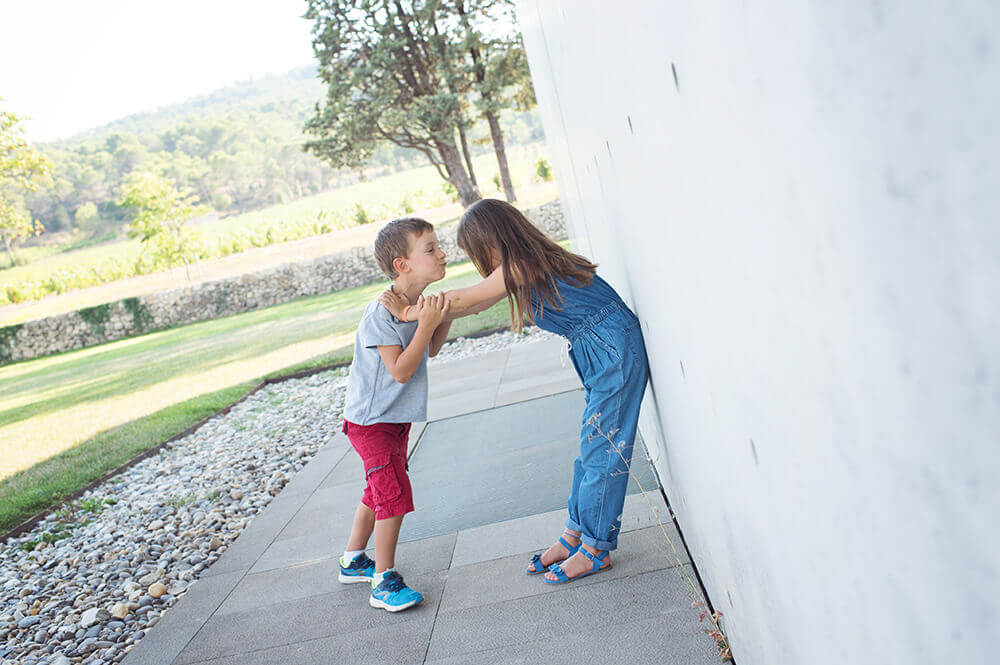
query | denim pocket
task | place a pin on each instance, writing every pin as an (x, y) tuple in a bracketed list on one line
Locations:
[(608, 335)]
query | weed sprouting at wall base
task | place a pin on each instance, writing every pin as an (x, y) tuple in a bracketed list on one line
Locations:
[(715, 630)]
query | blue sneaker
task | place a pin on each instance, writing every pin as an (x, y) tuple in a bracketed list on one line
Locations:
[(360, 570), (393, 594)]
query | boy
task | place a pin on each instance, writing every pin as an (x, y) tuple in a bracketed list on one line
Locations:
[(386, 391)]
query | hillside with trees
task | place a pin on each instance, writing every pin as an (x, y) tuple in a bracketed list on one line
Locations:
[(236, 149)]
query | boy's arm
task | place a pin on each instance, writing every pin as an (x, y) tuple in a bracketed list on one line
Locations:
[(403, 363), (438, 338)]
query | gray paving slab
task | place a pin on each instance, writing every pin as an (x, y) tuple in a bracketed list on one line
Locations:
[(489, 491), (522, 391), (416, 430), (538, 532), (660, 640), (504, 579), (325, 510), (295, 551), (606, 605), (319, 577), (514, 461), (323, 543), (176, 628), (468, 401), (258, 535), (541, 358), (395, 643), (312, 474), (348, 471), (458, 371), (290, 622)]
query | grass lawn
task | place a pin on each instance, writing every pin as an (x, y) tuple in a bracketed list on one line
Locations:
[(67, 419)]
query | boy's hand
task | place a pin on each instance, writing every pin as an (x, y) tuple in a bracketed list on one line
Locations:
[(434, 309), (393, 302)]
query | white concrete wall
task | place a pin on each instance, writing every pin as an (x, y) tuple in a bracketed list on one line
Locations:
[(806, 222)]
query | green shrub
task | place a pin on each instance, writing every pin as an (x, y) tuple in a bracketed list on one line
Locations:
[(96, 317), (361, 215), (222, 201), (543, 169), (8, 336), (406, 204), (142, 320), (16, 293), (450, 191)]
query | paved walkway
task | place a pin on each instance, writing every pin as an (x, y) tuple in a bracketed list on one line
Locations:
[(486, 500)]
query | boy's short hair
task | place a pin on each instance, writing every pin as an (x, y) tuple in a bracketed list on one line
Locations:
[(393, 241)]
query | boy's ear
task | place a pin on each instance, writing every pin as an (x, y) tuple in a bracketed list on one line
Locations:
[(400, 265)]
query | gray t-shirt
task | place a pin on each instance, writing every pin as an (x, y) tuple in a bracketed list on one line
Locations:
[(373, 396)]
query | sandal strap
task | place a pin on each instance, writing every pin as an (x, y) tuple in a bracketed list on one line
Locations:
[(536, 563), (597, 560), (557, 570), (569, 548)]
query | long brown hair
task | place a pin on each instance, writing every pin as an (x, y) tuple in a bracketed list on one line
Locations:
[(531, 261)]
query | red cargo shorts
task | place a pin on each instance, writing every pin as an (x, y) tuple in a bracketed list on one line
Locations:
[(382, 447)]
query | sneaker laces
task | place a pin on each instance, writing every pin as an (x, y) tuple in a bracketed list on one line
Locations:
[(393, 582), (359, 563)]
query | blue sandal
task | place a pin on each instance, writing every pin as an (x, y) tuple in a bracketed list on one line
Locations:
[(597, 566), (535, 566)]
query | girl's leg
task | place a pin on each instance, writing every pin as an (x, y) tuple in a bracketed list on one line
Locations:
[(606, 441), (558, 553), (386, 537), (361, 530), (573, 504), (571, 535)]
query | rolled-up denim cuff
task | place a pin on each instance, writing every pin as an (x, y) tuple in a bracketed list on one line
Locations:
[(606, 545), (573, 526)]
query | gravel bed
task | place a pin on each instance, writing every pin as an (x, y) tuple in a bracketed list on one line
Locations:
[(91, 579)]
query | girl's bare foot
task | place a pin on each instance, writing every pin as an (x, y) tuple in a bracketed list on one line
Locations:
[(558, 552), (579, 563)]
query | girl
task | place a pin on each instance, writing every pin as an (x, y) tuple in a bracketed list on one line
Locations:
[(561, 292)]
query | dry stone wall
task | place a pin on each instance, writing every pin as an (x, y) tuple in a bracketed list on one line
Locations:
[(210, 300)]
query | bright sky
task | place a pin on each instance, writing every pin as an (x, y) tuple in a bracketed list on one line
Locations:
[(73, 65)]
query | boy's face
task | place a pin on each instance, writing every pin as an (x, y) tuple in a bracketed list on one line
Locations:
[(426, 259)]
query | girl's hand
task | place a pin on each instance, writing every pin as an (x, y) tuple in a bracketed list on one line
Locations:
[(393, 302)]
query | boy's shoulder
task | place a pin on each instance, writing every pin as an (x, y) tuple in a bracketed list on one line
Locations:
[(378, 326), (373, 308), (376, 311)]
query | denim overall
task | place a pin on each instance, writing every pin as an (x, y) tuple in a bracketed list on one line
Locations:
[(609, 355)]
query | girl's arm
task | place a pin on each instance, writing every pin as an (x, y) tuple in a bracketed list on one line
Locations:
[(478, 297), (462, 302)]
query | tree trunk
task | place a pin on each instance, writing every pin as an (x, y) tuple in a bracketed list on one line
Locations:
[(468, 193), (468, 157), (10, 254), (498, 147)]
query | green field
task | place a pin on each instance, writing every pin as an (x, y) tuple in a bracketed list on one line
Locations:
[(382, 198), (67, 419)]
